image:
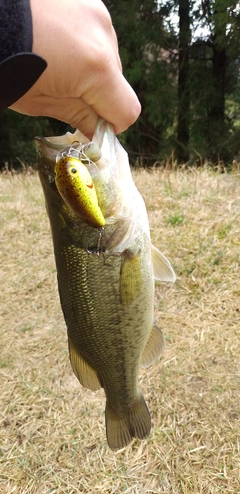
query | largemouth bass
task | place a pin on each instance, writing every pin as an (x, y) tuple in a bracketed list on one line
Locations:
[(105, 277)]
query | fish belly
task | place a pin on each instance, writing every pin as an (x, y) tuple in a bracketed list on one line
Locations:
[(107, 303)]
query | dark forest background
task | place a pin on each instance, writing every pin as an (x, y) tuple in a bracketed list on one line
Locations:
[(183, 60)]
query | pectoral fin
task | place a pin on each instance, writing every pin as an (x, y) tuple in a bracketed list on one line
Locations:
[(82, 370), (130, 278), (154, 347), (162, 268)]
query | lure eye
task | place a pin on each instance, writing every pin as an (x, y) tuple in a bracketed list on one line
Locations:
[(74, 170)]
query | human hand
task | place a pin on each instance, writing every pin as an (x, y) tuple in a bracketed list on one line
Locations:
[(83, 79)]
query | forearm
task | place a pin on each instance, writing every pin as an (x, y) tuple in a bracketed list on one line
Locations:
[(19, 68), (15, 28)]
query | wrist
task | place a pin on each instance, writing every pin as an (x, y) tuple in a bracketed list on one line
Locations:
[(19, 68), (15, 28)]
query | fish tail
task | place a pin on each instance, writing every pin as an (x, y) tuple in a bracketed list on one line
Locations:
[(121, 430)]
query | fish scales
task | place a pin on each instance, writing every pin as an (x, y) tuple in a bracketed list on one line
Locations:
[(99, 331), (106, 287)]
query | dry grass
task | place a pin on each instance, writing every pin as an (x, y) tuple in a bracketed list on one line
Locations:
[(52, 429)]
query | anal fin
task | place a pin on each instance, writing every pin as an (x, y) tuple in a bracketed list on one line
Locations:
[(82, 370), (154, 347)]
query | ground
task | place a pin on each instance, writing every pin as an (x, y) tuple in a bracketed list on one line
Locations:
[(52, 432)]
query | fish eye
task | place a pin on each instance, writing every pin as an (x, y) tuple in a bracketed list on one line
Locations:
[(73, 170)]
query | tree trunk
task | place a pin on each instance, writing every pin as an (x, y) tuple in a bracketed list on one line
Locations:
[(183, 82), (217, 129)]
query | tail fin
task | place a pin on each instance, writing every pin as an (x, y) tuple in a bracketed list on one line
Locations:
[(121, 430)]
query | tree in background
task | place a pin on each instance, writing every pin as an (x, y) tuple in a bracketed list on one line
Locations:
[(183, 117), (214, 79), (17, 132), (149, 64), (218, 18), (183, 60), (184, 76)]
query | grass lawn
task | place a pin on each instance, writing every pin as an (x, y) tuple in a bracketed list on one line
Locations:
[(52, 431)]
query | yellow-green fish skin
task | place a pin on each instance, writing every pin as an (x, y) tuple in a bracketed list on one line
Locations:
[(101, 327), (107, 300)]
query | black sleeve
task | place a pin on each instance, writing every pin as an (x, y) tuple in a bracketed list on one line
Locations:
[(19, 67)]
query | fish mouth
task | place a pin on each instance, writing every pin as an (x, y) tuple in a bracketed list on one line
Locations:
[(50, 146), (59, 142)]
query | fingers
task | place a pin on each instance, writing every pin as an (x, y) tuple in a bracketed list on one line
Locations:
[(73, 111), (119, 109), (78, 113), (116, 102), (105, 90)]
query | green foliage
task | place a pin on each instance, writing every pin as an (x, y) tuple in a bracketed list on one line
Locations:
[(149, 69), (149, 44), (149, 50), (17, 132), (214, 82), (176, 219)]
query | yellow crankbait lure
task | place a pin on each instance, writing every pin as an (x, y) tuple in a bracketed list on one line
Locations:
[(75, 185)]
